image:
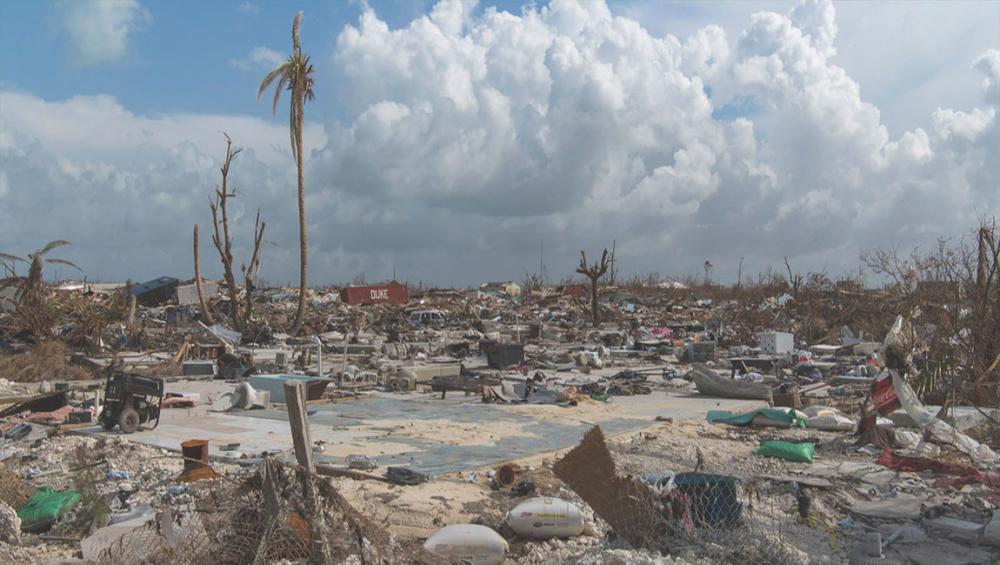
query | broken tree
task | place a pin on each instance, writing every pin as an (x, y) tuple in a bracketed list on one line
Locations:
[(197, 281), (594, 273), (224, 242)]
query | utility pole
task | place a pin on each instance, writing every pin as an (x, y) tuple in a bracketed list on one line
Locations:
[(613, 265), (541, 263)]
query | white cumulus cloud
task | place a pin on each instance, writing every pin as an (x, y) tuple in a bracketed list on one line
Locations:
[(259, 59), (99, 30), (468, 140)]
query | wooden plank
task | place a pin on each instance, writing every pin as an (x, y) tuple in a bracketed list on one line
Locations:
[(329, 471), (13, 399), (318, 401), (295, 394), (80, 426)]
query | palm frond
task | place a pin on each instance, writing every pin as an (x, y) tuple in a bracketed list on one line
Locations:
[(277, 93), (295, 29), (12, 258), (63, 262), (307, 79), (50, 246), (270, 78)]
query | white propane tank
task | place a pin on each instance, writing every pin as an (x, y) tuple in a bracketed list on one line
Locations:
[(545, 517), (468, 543)]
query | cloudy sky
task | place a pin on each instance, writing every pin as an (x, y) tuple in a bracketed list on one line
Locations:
[(453, 141)]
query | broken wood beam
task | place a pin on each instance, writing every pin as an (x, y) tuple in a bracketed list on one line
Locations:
[(295, 395)]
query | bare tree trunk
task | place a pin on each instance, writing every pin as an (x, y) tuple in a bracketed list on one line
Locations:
[(300, 311), (594, 273), (223, 242), (197, 281), (250, 271), (794, 281), (986, 330), (594, 304), (130, 316), (613, 269), (981, 264)]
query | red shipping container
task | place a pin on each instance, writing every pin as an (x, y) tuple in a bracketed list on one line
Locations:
[(575, 290), (375, 294)]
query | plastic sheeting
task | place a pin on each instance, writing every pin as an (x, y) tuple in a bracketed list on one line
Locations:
[(778, 417), (896, 354)]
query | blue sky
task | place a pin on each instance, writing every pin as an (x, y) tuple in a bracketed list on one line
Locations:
[(179, 60), (452, 145)]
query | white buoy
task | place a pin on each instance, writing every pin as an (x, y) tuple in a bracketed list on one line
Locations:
[(544, 517), (468, 543)]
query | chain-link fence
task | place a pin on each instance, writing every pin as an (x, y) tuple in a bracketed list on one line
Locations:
[(709, 513), (265, 517), (731, 519)]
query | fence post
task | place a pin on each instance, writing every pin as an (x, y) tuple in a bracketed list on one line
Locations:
[(295, 398)]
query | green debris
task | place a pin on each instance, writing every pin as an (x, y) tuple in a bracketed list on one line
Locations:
[(801, 452), (45, 507)]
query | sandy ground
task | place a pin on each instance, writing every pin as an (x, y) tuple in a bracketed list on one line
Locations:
[(416, 511)]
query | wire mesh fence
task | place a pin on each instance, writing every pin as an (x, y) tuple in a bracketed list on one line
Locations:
[(265, 517), (727, 519), (669, 507)]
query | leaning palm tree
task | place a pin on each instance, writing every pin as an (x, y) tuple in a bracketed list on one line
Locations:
[(296, 76), (29, 288)]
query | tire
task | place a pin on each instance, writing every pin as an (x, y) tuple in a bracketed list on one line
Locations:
[(128, 420)]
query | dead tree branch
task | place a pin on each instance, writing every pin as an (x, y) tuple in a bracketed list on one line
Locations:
[(221, 238), (251, 271), (794, 280), (197, 281)]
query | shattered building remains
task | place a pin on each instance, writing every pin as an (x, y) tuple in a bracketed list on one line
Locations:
[(690, 426)]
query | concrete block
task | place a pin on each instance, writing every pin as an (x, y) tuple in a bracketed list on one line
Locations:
[(953, 527), (991, 533)]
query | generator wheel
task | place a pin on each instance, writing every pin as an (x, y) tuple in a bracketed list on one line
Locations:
[(128, 420)]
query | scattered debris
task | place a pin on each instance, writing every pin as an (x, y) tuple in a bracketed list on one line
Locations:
[(453, 420)]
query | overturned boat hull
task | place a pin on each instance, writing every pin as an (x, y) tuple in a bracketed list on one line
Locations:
[(711, 384)]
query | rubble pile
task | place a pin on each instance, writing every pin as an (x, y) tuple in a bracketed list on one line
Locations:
[(690, 425)]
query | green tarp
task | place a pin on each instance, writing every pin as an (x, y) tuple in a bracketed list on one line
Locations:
[(45, 507), (767, 416)]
